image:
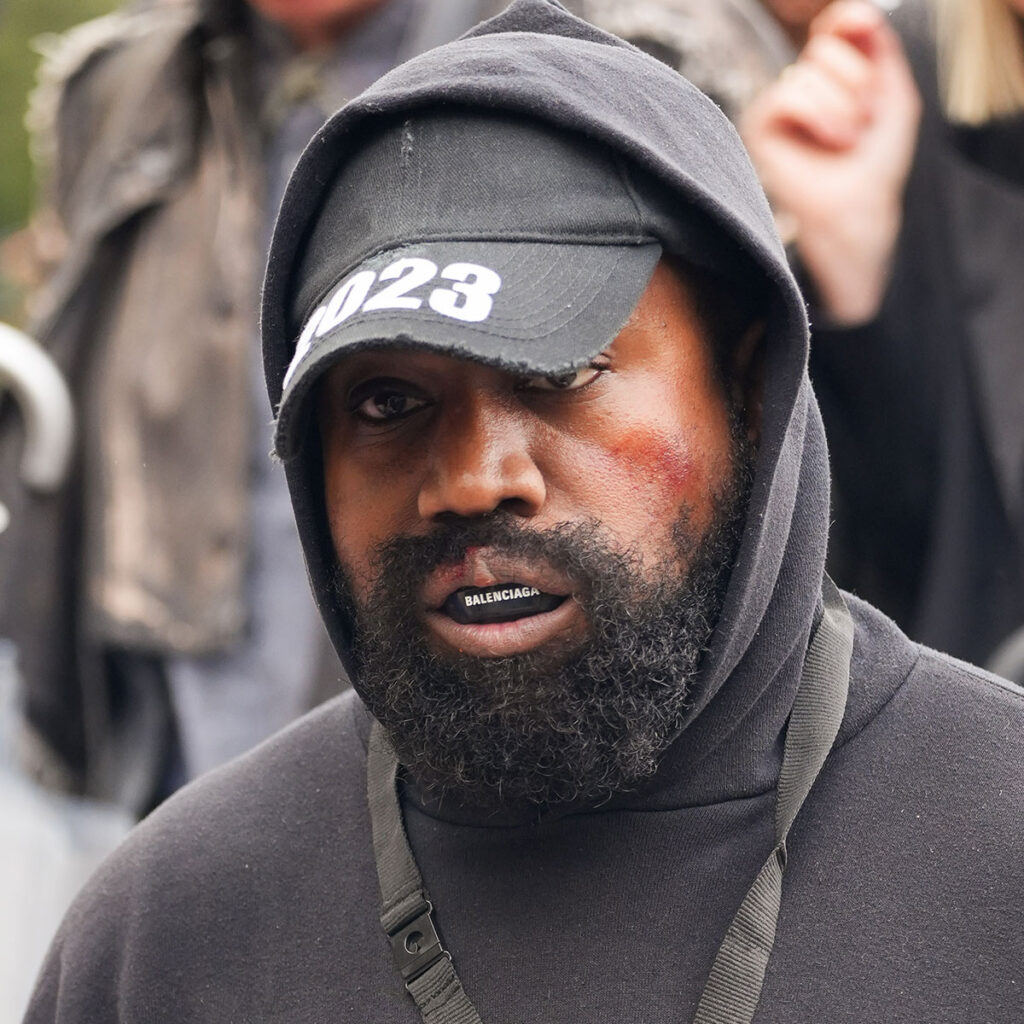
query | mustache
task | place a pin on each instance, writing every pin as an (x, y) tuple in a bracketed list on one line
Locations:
[(566, 547)]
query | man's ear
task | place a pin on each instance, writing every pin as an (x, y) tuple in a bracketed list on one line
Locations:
[(747, 378)]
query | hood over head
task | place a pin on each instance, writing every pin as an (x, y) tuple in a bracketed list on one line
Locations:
[(682, 184)]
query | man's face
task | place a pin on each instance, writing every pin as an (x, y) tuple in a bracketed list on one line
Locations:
[(447, 480)]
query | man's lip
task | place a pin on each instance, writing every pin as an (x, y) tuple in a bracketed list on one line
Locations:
[(501, 639), (481, 567)]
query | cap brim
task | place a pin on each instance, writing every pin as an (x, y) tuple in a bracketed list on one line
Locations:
[(533, 307)]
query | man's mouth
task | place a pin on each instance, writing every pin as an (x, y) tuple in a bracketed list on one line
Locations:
[(501, 602), (493, 605)]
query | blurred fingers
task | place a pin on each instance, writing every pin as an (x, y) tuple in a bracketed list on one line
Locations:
[(843, 62), (858, 22), (810, 100)]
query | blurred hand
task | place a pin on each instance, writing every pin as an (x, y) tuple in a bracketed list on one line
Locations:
[(833, 139)]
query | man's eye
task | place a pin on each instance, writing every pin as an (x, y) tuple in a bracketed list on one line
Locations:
[(382, 403), (568, 381)]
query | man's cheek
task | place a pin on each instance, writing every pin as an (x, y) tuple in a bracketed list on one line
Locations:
[(656, 460), (647, 475)]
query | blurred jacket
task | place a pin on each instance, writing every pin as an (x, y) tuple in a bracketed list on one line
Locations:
[(922, 405), (730, 49), (144, 550), (148, 122)]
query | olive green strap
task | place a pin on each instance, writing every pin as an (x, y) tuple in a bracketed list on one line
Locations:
[(734, 985), (406, 912), (737, 975)]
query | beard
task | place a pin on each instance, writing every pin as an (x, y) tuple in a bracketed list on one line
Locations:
[(574, 722)]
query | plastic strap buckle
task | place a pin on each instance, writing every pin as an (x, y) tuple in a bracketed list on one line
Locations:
[(415, 945)]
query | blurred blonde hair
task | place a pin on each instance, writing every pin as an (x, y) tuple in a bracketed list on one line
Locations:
[(981, 59)]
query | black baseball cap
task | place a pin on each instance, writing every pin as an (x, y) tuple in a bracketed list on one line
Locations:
[(484, 235)]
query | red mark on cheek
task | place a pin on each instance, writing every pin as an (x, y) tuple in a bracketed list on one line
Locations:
[(657, 458)]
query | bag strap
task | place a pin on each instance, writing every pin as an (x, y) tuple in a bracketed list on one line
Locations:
[(737, 976), (406, 911)]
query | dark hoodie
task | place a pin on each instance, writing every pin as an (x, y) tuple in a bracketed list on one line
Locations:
[(252, 895)]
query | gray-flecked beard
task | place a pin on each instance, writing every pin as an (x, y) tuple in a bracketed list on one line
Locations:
[(569, 724)]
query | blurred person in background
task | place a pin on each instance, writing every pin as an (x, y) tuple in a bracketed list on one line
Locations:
[(159, 604), (907, 220), (730, 49)]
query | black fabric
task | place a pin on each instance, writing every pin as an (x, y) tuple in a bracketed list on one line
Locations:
[(995, 147), (252, 895), (571, 232), (456, 174), (922, 405)]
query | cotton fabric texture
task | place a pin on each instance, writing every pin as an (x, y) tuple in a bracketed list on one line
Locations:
[(252, 895)]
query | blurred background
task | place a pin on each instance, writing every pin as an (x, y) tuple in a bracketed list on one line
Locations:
[(24, 27)]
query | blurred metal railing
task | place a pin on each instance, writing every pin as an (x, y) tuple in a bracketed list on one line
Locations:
[(31, 376), (48, 843)]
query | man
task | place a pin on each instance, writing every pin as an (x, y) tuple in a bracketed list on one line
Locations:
[(540, 375), (158, 602)]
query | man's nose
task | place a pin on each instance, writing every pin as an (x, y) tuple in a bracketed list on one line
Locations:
[(481, 461)]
